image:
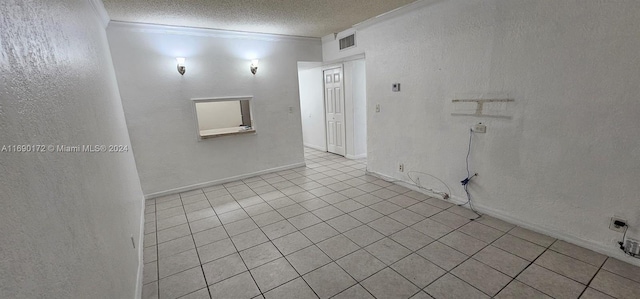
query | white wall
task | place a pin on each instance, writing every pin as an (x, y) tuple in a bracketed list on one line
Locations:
[(355, 108), (567, 159), (312, 105), (217, 115), (66, 218), (158, 109)]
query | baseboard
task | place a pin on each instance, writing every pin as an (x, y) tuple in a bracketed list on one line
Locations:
[(352, 157), (140, 248), (320, 148), (611, 251), (222, 181)]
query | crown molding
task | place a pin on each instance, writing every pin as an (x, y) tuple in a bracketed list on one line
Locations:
[(196, 31), (394, 13), (100, 11)]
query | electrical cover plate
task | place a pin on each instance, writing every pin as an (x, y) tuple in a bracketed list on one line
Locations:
[(395, 87), (480, 128), (613, 226)]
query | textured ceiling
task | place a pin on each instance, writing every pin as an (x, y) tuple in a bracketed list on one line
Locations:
[(315, 18)]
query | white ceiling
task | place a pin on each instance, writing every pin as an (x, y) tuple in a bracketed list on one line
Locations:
[(315, 18)]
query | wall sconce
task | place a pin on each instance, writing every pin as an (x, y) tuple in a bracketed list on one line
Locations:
[(181, 67), (254, 66)]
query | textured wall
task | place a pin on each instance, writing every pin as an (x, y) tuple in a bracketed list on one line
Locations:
[(66, 218), (567, 160), (158, 107), (312, 108)]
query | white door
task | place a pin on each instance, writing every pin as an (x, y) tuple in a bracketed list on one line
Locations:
[(334, 107)]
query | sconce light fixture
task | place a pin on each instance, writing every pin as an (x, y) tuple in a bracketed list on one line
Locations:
[(181, 67), (254, 66)]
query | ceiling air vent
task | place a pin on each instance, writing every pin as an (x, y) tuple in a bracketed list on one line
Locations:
[(348, 42)]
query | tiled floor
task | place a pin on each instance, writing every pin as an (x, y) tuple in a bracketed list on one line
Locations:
[(329, 230)]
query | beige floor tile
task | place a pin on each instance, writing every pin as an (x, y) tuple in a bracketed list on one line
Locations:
[(366, 215), (385, 207), (223, 268), (319, 232), (550, 283), (210, 236), (216, 250), (403, 201), (308, 259), (273, 274), (481, 276), (344, 223), (199, 294), (240, 286), (590, 293), (495, 223), (389, 284), (418, 270), (567, 266), (304, 220), (406, 217), (278, 229), (291, 243), (150, 272), (329, 280), (295, 289), (579, 253), (182, 283), (150, 290), (267, 218), (386, 225), (451, 287), (175, 246), (177, 263), (463, 243), (204, 224), (432, 228), (360, 264), (531, 236), (442, 255), (387, 251), (354, 292), (517, 290), (411, 238), (615, 286), (338, 246), (481, 231), (249, 239), (501, 260), (450, 219), (260, 255), (623, 269), (424, 209), (519, 247)]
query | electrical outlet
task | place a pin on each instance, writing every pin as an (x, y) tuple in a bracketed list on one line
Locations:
[(479, 128), (401, 167), (377, 107), (290, 109), (395, 87), (617, 228)]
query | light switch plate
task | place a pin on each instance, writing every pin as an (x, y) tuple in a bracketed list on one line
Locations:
[(395, 87)]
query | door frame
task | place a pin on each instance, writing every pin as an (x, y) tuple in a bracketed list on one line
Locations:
[(324, 100)]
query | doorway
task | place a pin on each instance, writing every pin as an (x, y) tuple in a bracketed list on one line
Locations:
[(334, 110)]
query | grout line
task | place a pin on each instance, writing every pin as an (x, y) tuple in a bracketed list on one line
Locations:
[(332, 164), (206, 284), (234, 246)]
